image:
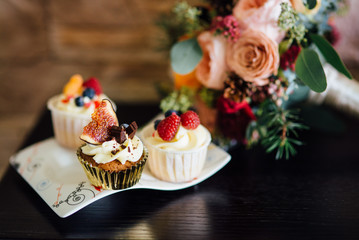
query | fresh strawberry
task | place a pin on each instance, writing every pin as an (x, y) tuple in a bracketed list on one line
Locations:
[(168, 127), (94, 84), (190, 120)]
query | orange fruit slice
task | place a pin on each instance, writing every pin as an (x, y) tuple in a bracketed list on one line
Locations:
[(73, 86)]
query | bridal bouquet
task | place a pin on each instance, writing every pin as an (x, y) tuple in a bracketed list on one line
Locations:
[(244, 64)]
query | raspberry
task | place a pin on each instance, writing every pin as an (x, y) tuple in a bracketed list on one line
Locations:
[(93, 83), (190, 120), (168, 127)]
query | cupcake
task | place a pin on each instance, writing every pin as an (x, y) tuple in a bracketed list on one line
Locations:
[(177, 147), (113, 157), (71, 110)]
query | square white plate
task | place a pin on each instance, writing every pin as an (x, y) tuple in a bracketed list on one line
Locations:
[(56, 175)]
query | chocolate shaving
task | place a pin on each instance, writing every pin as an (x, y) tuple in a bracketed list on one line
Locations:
[(119, 133), (115, 151), (131, 129)]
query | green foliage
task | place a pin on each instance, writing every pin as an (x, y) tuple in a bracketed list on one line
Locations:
[(310, 71), (179, 100), (330, 54), (183, 20), (185, 55), (278, 129), (289, 21)]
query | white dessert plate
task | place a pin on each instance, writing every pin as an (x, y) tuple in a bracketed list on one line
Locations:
[(56, 175)]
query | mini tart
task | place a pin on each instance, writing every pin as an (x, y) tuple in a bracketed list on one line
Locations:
[(112, 175)]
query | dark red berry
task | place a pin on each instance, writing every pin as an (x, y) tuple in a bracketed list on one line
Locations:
[(94, 84), (168, 127), (190, 120)]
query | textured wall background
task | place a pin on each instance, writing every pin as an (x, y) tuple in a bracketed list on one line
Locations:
[(44, 42)]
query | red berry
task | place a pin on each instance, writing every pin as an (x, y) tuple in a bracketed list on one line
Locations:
[(168, 127), (87, 105), (190, 120), (93, 83), (97, 104)]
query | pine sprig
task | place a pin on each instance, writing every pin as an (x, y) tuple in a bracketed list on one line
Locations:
[(282, 127)]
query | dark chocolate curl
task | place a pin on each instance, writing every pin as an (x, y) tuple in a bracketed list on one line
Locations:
[(131, 129), (118, 133)]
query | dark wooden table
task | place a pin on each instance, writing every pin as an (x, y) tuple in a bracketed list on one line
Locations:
[(312, 196)]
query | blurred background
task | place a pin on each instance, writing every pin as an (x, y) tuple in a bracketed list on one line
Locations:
[(44, 42)]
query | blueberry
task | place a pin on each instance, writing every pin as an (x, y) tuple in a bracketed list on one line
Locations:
[(193, 109), (169, 113), (156, 123), (79, 101), (89, 92)]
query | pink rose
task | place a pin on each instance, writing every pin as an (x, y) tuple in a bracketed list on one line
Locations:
[(261, 15), (211, 70), (254, 57)]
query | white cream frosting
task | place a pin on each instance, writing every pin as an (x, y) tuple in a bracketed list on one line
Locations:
[(70, 106), (130, 150), (183, 141)]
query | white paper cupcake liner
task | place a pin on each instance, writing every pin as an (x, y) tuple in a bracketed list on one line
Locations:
[(67, 126), (175, 166)]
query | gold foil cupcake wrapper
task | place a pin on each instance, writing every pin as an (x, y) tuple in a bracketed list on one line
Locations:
[(114, 180)]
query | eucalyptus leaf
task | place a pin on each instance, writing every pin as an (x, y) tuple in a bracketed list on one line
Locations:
[(310, 71), (330, 54), (185, 55)]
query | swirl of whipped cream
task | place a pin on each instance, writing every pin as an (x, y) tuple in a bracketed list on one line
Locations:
[(130, 150), (183, 141)]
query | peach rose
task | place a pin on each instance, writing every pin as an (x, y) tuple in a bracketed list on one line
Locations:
[(211, 70), (254, 57), (261, 15)]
